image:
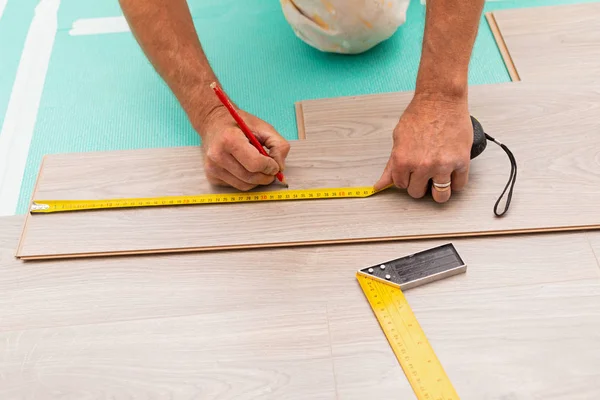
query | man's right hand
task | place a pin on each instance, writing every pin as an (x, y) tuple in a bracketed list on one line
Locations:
[(229, 157)]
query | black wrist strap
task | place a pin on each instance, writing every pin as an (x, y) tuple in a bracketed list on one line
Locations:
[(511, 180)]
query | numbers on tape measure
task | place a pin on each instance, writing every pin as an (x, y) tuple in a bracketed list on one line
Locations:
[(43, 206)]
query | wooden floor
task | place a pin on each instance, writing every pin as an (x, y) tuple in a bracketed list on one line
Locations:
[(522, 323), (553, 43)]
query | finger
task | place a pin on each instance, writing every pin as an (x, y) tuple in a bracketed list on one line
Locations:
[(401, 177), (279, 152), (386, 177), (441, 194), (221, 177), (252, 160), (417, 184), (279, 148), (229, 163), (460, 179)]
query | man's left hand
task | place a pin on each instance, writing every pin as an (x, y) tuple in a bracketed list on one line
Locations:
[(432, 141)]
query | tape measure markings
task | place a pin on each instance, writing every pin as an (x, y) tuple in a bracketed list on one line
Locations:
[(50, 206)]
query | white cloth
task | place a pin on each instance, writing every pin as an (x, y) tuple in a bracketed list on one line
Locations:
[(344, 26)]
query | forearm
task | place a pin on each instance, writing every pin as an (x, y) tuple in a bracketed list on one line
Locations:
[(450, 31), (166, 34)]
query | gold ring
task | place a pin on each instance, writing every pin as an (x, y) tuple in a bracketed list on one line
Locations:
[(442, 187)]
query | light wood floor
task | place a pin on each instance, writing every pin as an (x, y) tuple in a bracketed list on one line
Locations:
[(553, 43), (522, 323)]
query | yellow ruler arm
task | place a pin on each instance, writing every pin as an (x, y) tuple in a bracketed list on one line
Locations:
[(408, 341)]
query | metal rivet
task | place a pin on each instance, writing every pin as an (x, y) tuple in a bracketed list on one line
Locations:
[(370, 270), (388, 277), (382, 266)]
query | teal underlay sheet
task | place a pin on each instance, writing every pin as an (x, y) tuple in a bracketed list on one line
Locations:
[(101, 93)]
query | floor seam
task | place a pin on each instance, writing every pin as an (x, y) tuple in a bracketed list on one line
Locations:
[(337, 395), (587, 237)]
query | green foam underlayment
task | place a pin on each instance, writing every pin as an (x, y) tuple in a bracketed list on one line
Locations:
[(102, 94)]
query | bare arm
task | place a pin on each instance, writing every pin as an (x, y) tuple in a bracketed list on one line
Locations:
[(450, 30), (165, 31), (433, 139)]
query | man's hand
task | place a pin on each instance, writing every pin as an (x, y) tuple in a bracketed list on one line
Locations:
[(231, 160), (432, 140)]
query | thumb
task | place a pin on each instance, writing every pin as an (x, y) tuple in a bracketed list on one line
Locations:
[(277, 145), (386, 177), (279, 151)]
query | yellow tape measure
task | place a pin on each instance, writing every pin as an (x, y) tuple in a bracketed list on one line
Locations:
[(51, 206), (408, 341)]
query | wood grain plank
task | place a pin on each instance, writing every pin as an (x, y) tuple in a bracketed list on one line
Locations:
[(532, 108), (553, 43), (155, 326), (552, 135), (85, 291), (520, 342), (223, 355)]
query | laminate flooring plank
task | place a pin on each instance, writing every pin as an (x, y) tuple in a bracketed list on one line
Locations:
[(501, 108), (552, 134), (160, 326), (519, 342), (55, 293), (553, 43), (273, 353)]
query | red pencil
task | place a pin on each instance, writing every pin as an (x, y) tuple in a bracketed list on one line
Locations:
[(223, 97)]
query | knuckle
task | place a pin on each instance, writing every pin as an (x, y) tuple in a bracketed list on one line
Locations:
[(462, 163), (400, 180), (214, 155), (227, 142), (400, 162)]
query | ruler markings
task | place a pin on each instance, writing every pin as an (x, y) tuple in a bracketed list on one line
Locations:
[(408, 341)]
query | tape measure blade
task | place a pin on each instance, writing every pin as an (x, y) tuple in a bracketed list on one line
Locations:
[(211, 198), (407, 339)]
